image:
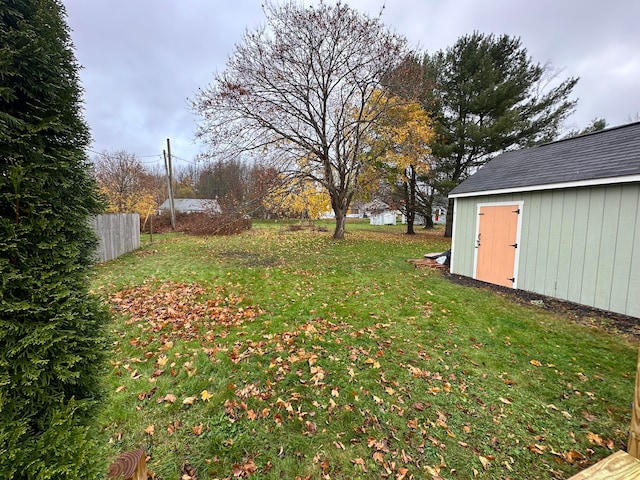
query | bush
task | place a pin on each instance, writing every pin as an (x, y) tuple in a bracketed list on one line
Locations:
[(201, 224), (51, 329)]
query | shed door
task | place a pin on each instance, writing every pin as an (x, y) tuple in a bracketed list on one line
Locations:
[(496, 244)]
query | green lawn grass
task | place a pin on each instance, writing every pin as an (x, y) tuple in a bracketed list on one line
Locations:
[(284, 354)]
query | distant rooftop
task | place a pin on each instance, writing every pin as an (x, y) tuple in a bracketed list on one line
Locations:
[(192, 205)]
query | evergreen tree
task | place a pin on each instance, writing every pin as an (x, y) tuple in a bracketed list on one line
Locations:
[(488, 96), (52, 342)]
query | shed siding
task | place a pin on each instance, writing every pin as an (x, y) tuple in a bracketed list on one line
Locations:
[(581, 245), (465, 228), (567, 230), (633, 301)]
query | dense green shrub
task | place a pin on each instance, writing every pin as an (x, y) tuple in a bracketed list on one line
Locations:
[(52, 342)]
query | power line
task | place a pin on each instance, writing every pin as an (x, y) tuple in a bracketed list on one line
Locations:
[(192, 162), (156, 158)]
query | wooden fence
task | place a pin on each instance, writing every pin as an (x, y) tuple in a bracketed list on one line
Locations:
[(119, 233)]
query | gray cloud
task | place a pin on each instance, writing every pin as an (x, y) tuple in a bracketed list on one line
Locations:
[(143, 59)]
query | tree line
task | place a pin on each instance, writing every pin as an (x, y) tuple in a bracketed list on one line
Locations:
[(332, 107), (336, 97)]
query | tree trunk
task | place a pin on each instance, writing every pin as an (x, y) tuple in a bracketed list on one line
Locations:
[(448, 231), (410, 199), (428, 222), (341, 219)]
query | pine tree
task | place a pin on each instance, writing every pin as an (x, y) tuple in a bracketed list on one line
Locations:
[(52, 342), (487, 96)]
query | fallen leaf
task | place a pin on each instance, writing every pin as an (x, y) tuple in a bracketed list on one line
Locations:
[(170, 397), (189, 401), (594, 438), (150, 430), (197, 430), (573, 455), (378, 457), (536, 363), (205, 395), (402, 473), (360, 462)]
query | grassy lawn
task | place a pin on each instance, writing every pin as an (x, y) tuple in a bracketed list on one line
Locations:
[(283, 354)]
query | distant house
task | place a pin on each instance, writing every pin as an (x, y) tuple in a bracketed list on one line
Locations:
[(439, 217), (560, 219), (379, 213), (191, 205)]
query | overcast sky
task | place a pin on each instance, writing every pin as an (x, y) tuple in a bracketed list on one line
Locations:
[(143, 59)]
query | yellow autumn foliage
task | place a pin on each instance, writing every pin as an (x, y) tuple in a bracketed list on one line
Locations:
[(141, 202), (402, 136), (298, 198)]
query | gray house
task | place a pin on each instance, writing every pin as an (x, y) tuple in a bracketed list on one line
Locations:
[(561, 219), (191, 205)]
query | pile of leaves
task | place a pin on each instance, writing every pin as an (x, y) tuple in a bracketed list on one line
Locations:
[(200, 224), (181, 310)]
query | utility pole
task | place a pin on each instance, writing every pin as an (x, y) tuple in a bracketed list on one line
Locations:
[(167, 168)]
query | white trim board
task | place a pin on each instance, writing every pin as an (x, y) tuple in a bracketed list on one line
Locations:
[(552, 186)]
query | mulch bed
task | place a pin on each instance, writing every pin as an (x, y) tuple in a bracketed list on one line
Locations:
[(582, 314)]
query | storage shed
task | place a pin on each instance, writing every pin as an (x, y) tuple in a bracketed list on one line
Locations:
[(560, 219)]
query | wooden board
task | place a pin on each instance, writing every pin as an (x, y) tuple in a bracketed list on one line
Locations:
[(129, 466), (634, 431), (619, 466)]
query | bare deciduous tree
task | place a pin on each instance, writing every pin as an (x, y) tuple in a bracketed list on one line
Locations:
[(127, 185), (301, 87)]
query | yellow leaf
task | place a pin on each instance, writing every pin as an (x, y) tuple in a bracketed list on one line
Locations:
[(205, 395), (536, 363)]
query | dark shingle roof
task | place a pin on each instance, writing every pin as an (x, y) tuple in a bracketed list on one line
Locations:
[(610, 153)]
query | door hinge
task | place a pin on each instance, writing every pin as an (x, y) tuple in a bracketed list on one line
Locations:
[(515, 245), (513, 279), (481, 214)]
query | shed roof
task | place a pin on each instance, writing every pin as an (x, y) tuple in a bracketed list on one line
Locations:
[(606, 156)]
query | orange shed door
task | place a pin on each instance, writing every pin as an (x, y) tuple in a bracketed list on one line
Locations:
[(496, 244)]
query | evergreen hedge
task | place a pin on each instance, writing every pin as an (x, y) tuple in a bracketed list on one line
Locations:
[(52, 341)]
